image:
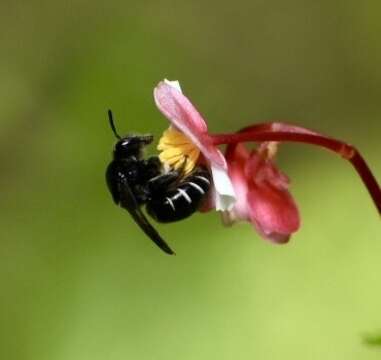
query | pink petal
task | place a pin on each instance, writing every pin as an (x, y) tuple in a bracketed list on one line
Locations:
[(260, 169), (262, 194), (237, 153), (273, 212), (236, 161), (183, 115)]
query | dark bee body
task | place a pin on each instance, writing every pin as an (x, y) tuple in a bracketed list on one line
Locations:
[(168, 197), (180, 201), (135, 182), (136, 173)]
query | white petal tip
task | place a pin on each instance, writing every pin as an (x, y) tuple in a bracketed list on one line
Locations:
[(225, 195), (175, 84), (224, 202)]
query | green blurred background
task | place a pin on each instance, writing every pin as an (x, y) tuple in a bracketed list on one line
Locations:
[(79, 280)]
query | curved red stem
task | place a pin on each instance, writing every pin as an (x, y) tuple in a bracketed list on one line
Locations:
[(289, 133)]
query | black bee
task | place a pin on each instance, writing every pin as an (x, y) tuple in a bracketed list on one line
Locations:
[(135, 182)]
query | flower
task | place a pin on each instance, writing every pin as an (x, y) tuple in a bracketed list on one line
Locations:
[(188, 138), (247, 185), (262, 193)]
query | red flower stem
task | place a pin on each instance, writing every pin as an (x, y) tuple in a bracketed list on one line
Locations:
[(259, 133)]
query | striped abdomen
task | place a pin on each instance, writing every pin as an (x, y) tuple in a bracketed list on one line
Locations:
[(181, 201)]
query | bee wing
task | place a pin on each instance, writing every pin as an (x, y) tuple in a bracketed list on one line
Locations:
[(128, 202)]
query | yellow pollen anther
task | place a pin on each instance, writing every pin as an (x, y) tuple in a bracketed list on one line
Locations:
[(177, 151)]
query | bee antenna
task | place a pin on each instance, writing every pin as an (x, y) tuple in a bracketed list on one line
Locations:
[(112, 125)]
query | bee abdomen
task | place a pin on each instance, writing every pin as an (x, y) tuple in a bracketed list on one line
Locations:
[(182, 201)]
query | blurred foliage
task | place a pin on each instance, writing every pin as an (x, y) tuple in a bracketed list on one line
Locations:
[(80, 281), (373, 339)]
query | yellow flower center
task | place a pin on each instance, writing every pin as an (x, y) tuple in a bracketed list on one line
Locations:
[(177, 151)]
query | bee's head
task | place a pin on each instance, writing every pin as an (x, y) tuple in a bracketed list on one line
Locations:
[(130, 145)]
